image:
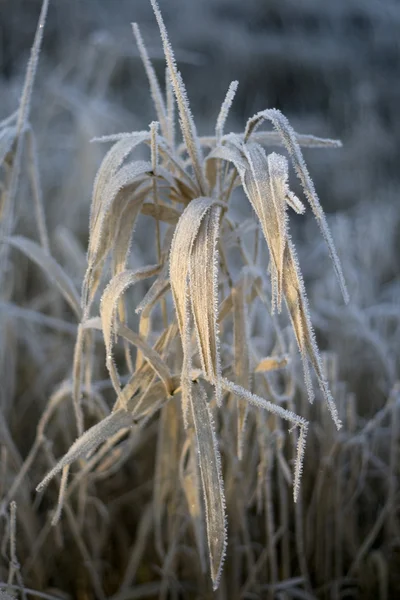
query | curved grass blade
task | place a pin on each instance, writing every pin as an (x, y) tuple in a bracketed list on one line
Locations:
[(203, 291), (90, 440), (108, 309), (283, 127), (111, 164), (185, 235)]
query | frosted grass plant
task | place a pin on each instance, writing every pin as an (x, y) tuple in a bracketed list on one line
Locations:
[(197, 191), (204, 398)]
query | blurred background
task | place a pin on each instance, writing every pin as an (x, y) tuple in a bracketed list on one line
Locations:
[(332, 68)]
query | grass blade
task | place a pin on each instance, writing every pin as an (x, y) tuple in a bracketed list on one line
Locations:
[(211, 477)]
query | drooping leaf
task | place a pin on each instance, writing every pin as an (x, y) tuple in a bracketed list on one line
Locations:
[(111, 163), (90, 440), (288, 136), (212, 483), (108, 307), (123, 231), (112, 200), (296, 301), (264, 180), (185, 235), (203, 292)]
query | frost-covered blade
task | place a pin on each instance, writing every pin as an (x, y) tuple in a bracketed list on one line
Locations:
[(181, 248), (241, 359), (212, 483), (289, 138), (108, 308), (203, 291), (187, 124)]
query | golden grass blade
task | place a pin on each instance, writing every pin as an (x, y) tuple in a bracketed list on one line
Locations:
[(203, 290), (114, 228), (122, 233), (122, 181), (212, 483), (156, 293), (184, 181), (144, 376), (183, 242), (61, 495), (265, 182), (232, 152), (50, 267), (151, 401), (116, 193), (181, 247), (77, 378), (111, 163), (296, 301), (162, 212), (131, 392), (108, 308), (90, 440), (282, 126), (216, 177), (304, 140), (189, 475), (241, 359)]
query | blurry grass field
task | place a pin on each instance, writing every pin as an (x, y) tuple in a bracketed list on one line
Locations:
[(159, 355)]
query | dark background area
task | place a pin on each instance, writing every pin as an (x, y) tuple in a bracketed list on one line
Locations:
[(332, 68)]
